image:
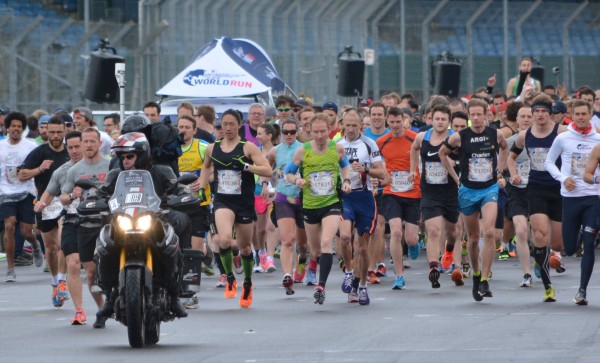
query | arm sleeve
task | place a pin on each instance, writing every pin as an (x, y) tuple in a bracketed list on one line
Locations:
[(550, 163)]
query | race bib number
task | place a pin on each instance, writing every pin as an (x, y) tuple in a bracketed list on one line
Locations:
[(133, 198), (400, 183), (481, 169), (53, 210), (230, 182), (578, 163), (356, 180), (321, 183), (11, 174), (435, 173), (537, 156), (523, 168)]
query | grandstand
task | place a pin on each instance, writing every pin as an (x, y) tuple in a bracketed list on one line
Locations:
[(302, 37)]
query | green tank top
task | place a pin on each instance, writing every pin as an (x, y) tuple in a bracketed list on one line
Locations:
[(321, 172)]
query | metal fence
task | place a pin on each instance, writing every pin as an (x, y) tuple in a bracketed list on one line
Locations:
[(43, 61)]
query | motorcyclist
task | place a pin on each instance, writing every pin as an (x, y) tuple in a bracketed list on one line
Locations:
[(133, 153)]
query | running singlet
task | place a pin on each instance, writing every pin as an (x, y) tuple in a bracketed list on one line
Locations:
[(522, 162), (321, 172), (396, 153), (368, 133), (191, 161), (435, 179), (478, 158), (235, 187), (364, 151), (537, 150), (283, 156)]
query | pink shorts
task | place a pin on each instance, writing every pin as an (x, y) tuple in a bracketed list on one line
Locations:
[(261, 204)]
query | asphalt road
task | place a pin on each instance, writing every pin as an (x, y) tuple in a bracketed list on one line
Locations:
[(414, 325)]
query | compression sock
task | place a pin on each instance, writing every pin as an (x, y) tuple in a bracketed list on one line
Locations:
[(325, 263), (247, 265), (219, 263), (227, 260), (541, 257)]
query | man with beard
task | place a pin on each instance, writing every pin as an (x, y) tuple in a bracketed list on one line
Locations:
[(39, 165)]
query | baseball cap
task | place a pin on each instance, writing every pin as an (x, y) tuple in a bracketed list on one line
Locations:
[(559, 107), (4, 111), (44, 120), (330, 106), (85, 112), (365, 102), (66, 117)]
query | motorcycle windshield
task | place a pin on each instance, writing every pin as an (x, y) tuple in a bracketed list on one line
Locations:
[(134, 194)]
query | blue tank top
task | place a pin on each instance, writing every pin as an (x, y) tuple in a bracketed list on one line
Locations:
[(537, 150), (368, 133), (283, 156)]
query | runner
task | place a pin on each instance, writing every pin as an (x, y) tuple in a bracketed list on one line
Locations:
[(439, 204), (378, 114), (191, 162), (235, 161), (517, 190), (322, 161), (16, 197), (543, 192), (39, 165), (360, 212), (477, 147), (266, 135), (92, 167), (68, 240), (402, 197), (288, 207), (580, 199)]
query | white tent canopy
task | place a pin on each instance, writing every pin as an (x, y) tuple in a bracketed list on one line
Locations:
[(225, 67)]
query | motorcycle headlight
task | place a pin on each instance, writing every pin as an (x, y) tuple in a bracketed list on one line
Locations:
[(124, 223), (144, 223)]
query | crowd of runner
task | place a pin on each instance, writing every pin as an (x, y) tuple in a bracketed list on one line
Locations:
[(493, 175)]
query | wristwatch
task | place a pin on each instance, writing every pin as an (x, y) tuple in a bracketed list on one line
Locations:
[(367, 169)]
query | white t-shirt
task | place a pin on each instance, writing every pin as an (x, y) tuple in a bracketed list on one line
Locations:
[(107, 143), (11, 157), (596, 122)]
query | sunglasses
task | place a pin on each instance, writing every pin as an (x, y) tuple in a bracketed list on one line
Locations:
[(288, 132), (68, 124), (284, 109), (128, 156)]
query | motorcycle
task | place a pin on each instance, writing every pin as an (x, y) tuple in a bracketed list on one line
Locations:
[(136, 250)]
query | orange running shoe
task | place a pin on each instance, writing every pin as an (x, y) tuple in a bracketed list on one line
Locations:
[(373, 279), (457, 277), (246, 298), (447, 260), (554, 261), (231, 289), (79, 318)]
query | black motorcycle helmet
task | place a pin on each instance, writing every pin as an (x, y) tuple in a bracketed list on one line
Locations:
[(136, 122), (134, 142)]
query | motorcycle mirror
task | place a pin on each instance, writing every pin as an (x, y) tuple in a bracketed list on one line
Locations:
[(85, 184), (187, 179)]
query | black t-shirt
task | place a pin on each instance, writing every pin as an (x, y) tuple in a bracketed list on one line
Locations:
[(37, 156), (204, 135)]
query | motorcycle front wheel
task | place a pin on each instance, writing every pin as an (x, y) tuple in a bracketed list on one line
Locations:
[(134, 307)]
